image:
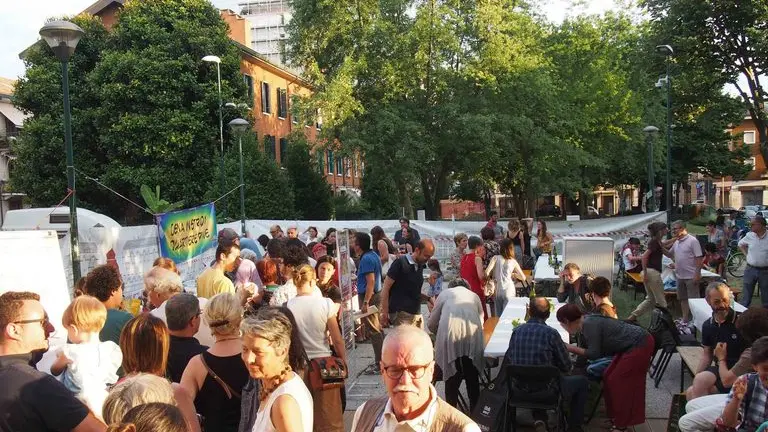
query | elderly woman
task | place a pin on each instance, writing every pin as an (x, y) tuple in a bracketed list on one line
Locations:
[(216, 377), (145, 342), (138, 390), (160, 284), (285, 404), (457, 320), (624, 380), (316, 318)]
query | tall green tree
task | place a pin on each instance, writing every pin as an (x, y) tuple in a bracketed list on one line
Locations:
[(312, 194), (725, 41), (145, 107)]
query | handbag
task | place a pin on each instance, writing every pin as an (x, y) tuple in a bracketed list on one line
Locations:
[(490, 412), (326, 373), (489, 288)]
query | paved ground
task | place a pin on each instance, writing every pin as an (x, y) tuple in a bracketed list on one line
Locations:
[(361, 387)]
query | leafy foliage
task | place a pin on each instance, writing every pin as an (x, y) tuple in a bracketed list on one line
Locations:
[(312, 194), (155, 204)]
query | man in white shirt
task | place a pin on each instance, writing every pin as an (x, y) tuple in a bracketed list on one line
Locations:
[(407, 366), (755, 247)]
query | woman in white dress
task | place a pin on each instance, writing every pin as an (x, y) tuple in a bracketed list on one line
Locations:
[(504, 269), (285, 404)]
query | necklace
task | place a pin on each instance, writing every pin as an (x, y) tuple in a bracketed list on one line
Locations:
[(268, 385)]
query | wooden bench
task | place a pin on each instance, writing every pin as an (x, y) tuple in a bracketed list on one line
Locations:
[(690, 357)]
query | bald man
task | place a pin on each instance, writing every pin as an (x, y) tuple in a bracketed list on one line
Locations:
[(401, 296), (407, 365)]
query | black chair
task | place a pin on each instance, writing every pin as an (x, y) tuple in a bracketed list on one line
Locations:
[(535, 388), (667, 339)]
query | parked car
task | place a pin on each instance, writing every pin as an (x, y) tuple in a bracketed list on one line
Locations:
[(592, 211), (549, 210), (751, 210), (727, 210), (763, 213)]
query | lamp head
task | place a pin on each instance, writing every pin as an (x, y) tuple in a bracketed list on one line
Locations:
[(238, 125), (212, 59), (62, 36), (650, 130), (665, 50)]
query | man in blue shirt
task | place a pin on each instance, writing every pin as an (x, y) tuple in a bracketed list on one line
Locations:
[(535, 343), (368, 289)]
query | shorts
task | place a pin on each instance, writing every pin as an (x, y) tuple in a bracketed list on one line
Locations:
[(718, 382), (687, 288)]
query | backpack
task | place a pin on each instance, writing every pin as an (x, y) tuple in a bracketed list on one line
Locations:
[(662, 328)]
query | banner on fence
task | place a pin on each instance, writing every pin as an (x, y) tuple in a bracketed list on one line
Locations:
[(348, 290), (185, 234)]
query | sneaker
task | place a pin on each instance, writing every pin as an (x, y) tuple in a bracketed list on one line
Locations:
[(539, 426)]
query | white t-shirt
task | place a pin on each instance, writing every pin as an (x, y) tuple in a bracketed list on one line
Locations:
[(295, 388), (203, 334), (757, 249), (625, 255), (94, 365), (312, 315)]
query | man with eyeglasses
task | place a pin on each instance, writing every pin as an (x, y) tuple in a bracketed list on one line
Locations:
[(31, 400), (412, 404), (182, 313), (275, 231)]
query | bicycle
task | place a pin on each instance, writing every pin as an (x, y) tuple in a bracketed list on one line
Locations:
[(735, 260)]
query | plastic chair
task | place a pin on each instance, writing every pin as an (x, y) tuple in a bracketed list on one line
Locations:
[(535, 388)]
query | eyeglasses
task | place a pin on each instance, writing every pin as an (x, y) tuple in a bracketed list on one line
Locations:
[(41, 321), (415, 372)]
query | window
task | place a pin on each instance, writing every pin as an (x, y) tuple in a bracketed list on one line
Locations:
[(348, 167), (339, 166), (269, 147), (750, 161), (266, 105), (319, 121), (330, 161), (357, 167), (283, 149), (320, 160), (282, 103), (294, 117), (749, 137), (248, 80)]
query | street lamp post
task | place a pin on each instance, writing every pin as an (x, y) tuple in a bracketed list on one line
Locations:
[(667, 51), (238, 126), (650, 134), (62, 37), (217, 60)]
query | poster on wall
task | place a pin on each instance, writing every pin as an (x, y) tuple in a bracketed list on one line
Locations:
[(185, 234), (348, 291)]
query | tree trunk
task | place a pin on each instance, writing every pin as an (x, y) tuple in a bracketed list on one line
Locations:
[(487, 202), (405, 198)]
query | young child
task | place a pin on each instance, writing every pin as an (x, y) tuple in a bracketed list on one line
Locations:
[(435, 281), (745, 407), (88, 364)]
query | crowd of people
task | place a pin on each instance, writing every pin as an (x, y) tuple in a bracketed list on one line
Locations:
[(259, 346)]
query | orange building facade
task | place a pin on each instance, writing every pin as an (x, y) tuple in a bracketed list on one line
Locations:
[(271, 90)]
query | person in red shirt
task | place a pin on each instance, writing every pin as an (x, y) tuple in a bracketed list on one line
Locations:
[(472, 269)]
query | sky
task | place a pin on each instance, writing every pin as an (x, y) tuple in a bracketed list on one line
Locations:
[(21, 20)]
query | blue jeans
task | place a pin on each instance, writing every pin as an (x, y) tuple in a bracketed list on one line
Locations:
[(752, 277)]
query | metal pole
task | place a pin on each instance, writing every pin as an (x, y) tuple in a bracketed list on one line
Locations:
[(242, 185), (669, 145), (221, 135), (73, 231), (2, 214), (651, 181)]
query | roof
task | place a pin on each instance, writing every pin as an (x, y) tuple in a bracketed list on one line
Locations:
[(6, 86), (280, 68), (100, 5), (13, 114)]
